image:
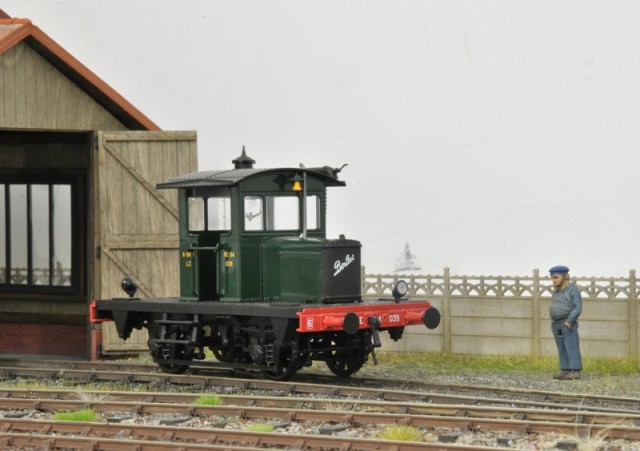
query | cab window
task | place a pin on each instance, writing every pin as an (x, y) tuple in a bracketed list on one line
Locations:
[(218, 213), (313, 212), (253, 213), (196, 214), (283, 213), (211, 214)]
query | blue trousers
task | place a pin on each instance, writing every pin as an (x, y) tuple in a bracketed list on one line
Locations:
[(568, 343)]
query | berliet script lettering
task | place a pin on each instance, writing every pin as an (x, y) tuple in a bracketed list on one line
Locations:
[(340, 266)]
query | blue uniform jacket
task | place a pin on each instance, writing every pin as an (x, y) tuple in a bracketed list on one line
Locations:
[(566, 304)]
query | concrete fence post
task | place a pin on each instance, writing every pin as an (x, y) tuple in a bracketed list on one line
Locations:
[(633, 318), (535, 312), (446, 310)]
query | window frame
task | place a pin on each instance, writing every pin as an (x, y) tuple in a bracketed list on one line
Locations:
[(204, 211), (77, 234), (267, 212)]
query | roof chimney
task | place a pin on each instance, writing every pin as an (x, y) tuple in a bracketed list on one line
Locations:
[(243, 161)]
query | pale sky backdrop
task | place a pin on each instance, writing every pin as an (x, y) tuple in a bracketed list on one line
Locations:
[(493, 136)]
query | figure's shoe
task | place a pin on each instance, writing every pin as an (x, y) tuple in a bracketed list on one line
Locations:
[(573, 375), (561, 375)]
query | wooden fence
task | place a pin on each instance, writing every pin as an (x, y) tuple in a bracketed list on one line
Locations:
[(505, 315)]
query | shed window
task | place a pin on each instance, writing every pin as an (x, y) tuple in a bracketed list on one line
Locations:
[(35, 235)]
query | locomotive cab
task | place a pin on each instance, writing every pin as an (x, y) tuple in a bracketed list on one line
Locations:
[(250, 235)]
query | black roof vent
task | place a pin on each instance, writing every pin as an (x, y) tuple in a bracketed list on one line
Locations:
[(244, 161)]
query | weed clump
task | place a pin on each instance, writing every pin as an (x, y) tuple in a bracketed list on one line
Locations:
[(260, 428), (83, 415), (400, 433), (208, 400)]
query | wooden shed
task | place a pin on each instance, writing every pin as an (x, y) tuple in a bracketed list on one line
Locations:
[(78, 204)]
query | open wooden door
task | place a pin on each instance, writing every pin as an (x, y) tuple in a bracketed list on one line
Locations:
[(135, 225)]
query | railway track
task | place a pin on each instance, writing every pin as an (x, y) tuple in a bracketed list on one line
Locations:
[(301, 412), (316, 384), (54, 435), (123, 413), (278, 407)]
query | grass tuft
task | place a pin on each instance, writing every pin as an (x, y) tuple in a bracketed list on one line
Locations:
[(208, 400), (401, 433), (84, 415), (258, 427)]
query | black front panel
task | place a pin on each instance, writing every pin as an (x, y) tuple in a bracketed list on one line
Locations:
[(341, 270)]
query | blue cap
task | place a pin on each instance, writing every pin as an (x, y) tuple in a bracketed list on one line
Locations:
[(558, 270)]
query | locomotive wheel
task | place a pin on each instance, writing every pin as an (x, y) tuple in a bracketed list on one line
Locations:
[(225, 355), (344, 365), (176, 352), (173, 368), (289, 366)]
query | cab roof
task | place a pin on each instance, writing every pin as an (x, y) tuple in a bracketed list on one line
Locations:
[(243, 171)]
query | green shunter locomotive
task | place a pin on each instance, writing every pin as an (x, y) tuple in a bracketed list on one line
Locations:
[(260, 284)]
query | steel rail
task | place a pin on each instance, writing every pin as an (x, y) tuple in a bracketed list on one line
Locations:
[(100, 436), (622, 428), (119, 370), (552, 413), (291, 388)]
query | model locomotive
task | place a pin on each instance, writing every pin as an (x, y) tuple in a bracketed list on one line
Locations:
[(261, 286)]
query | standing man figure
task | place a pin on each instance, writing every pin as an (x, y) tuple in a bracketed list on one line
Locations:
[(566, 306)]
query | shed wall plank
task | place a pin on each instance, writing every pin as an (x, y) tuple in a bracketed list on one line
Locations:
[(37, 95), (9, 88)]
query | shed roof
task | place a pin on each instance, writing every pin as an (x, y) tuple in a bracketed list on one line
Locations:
[(13, 31)]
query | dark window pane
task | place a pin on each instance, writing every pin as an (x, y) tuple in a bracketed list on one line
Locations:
[(18, 230), (3, 237), (62, 235), (40, 234)]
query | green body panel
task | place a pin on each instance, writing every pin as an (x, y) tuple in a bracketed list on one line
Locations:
[(291, 269)]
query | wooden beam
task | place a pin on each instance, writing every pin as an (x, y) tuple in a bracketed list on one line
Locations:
[(140, 179), (122, 266)]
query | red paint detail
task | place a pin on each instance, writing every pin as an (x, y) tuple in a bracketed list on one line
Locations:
[(95, 345), (321, 319), (332, 322), (93, 316)]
